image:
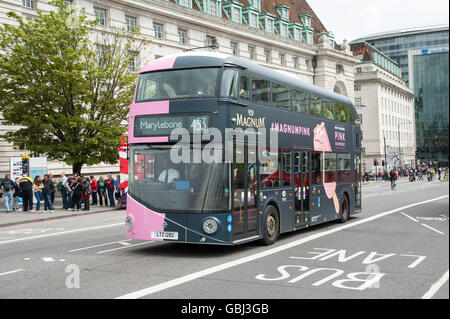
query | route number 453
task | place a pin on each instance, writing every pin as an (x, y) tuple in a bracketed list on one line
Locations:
[(199, 124)]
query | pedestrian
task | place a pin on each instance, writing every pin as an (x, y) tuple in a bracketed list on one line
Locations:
[(52, 178), (62, 187), (70, 184), (47, 192), (117, 189), (26, 191), (86, 189), (16, 194), (109, 186), (37, 188), (7, 188), (94, 190), (102, 191), (77, 191)]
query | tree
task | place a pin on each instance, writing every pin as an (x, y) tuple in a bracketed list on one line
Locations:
[(67, 85)]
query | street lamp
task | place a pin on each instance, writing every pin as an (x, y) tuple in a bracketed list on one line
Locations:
[(399, 149)]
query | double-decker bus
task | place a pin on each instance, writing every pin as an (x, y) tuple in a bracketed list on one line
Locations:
[(313, 174)]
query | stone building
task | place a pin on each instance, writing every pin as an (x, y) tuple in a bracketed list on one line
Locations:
[(385, 106)]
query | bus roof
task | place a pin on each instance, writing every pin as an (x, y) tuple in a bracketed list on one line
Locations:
[(214, 59)]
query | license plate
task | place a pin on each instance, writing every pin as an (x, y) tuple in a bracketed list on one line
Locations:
[(165, 235)]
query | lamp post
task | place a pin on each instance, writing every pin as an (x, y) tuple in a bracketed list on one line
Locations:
[(399, 149)]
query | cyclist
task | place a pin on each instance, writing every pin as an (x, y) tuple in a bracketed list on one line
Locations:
[(392, 178)]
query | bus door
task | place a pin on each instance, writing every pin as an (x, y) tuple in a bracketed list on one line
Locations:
[(245, 189), (301, 169)]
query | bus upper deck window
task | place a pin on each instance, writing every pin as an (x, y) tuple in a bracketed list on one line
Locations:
[(244, 87), (280, 96), (260, 91), (342, 112), (300, 100), (316, 107), (328, 110), (230, 83)]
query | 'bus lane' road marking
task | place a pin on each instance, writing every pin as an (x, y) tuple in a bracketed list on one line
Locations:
[(212, 270)]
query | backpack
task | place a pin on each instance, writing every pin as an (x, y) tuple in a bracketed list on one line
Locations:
[(8, 186)]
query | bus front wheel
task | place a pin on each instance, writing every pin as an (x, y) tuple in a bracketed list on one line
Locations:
[(271, 225)]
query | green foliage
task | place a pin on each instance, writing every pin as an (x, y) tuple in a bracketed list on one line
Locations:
[(67, 84)]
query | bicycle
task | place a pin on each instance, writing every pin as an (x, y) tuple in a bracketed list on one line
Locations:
[(393, 185)]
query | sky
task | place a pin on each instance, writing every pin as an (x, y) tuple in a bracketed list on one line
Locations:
[(351, 19)]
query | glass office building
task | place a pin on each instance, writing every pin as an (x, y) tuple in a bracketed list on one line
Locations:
[(430, 83), (396, 44), (422, 55)]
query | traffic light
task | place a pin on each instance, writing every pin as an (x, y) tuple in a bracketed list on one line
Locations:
[(382, 162), (375, 162), (26, 165)]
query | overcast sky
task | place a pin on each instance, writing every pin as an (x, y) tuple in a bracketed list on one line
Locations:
[(351, 19)]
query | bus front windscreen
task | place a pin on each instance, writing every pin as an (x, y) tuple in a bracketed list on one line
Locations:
[(177, 84), (164, 186)]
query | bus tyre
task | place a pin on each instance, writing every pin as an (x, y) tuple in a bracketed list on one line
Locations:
[(271, 225), (345, 209)]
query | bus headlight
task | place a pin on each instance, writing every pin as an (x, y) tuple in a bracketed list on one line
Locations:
[(210, 226), (129, 222)]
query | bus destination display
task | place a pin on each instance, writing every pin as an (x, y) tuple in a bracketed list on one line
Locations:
[(145, 126)]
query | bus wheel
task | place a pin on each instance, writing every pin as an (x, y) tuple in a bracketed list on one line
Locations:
[(345, 209), (271, 225)]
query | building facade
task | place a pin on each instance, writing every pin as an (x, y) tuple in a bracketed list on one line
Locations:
[(282, 34), (396, 44), (385, 106), (427, 75), (429, 80)]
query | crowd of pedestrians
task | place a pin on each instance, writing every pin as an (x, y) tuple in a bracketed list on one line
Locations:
[(77, 192)]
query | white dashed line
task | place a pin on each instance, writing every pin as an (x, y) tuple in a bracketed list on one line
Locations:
[(433, 229)]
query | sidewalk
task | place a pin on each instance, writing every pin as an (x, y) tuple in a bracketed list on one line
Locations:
[(20, 217)]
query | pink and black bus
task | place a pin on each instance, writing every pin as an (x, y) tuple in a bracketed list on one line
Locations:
[(313, 174)]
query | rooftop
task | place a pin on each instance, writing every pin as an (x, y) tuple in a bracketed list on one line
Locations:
[(403, 32)]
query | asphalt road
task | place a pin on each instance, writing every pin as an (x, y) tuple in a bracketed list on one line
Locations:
[(398, 247)]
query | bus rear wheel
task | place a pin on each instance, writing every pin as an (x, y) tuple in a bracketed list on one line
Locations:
[(271, 225), (345, 209)]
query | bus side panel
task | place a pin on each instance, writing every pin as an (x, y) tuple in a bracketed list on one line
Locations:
[(322, 207)]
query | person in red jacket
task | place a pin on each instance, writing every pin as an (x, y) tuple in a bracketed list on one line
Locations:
[(94, 190)]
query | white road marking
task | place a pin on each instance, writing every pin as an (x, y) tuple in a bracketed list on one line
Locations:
[(435, 287), (61, 233), (412, 218), (433, 229), (100, 245), (48, 259), (11, 272), (105, 251), (212, 270), (124, 243)]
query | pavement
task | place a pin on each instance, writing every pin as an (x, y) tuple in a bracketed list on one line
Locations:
[(396, 248)]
